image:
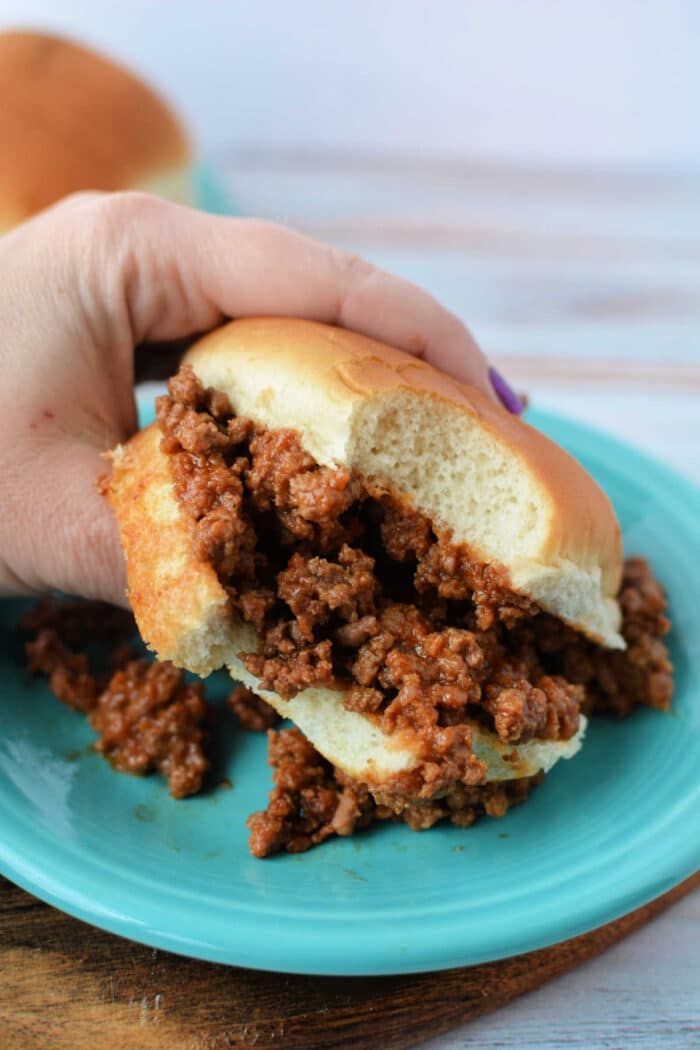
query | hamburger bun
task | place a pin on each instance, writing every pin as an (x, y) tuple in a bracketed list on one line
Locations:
[(71, 119), (499, 486)]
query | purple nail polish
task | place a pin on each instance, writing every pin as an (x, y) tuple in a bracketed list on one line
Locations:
[(506, 395)]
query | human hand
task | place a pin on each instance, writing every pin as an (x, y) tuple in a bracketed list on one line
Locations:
[(86, 282)]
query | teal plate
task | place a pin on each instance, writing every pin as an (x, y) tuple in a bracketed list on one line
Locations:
[(607, 831), (210, 191)]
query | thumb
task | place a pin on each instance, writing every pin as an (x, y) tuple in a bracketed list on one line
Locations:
[(70, 540)]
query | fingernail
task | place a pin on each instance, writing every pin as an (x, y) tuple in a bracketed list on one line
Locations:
[(505, 393)]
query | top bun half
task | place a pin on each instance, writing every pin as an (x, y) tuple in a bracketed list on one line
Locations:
[(70, 119), (499, 486)]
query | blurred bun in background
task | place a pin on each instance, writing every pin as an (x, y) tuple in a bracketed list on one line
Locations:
[(71, 119)]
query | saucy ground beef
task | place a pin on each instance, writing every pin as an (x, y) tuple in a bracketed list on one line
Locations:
[(252, 712), (308, 803), (311, 801), (347, 584), (147, 716), (68, 672), (77, 622), (616, 681)]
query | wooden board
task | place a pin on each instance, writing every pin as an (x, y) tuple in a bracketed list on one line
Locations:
[(66, 985)]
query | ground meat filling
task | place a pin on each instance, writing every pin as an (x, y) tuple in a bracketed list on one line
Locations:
[(147, 716), (308, 803), (347, 584), (311, 801), (615, 682), (68, 672), (149, 719), (252, 712)]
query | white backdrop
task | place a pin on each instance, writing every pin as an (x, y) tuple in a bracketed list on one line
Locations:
[(595, 82)]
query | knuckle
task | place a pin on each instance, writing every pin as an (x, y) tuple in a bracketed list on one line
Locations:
[(352, 269), (351, 274), (115, 212)]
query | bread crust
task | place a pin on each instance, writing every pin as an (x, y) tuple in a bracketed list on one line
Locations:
[(71, 119), (175, 596)]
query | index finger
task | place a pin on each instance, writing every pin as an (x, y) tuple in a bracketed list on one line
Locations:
[(194, 269)]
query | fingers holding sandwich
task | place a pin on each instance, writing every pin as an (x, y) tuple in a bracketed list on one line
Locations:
[(183, 271), (91, 278)]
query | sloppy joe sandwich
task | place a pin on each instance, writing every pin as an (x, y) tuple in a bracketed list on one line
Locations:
[(423, 583), (71, 119)]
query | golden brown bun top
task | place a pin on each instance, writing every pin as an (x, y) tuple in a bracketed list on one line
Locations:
[(500, 486), (71, 119)]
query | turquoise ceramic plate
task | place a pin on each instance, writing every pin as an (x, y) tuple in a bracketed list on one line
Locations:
[(609, 830), (211, 193)]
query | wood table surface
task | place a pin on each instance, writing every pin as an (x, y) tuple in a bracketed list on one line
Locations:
[(584, 288), (66, 985)]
